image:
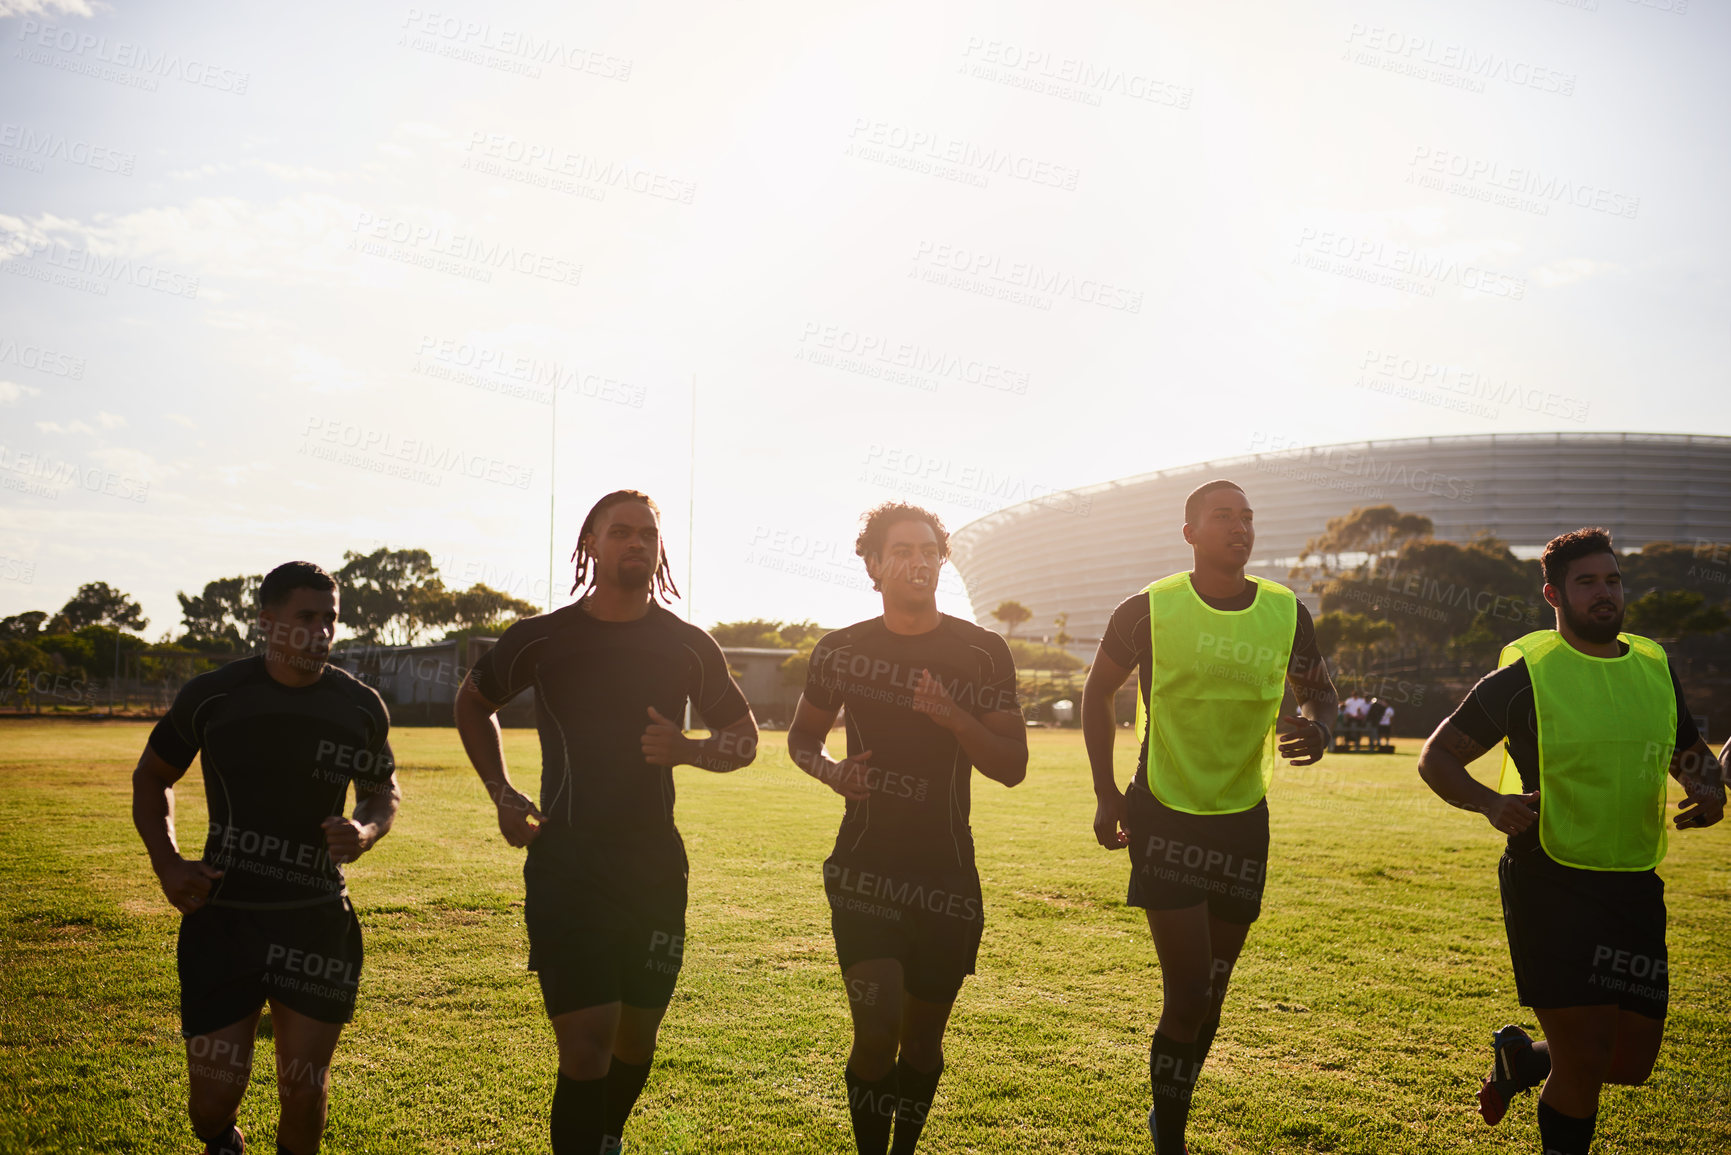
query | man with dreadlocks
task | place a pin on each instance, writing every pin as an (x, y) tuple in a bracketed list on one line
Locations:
[(928, 697), (605, 875)]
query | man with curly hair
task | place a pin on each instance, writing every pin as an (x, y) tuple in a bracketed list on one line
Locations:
[(928, 699), (1591, 719)]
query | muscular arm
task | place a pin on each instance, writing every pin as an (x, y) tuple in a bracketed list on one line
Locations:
[(730, 747), (378, 807), (996, 743), (519, 820), (1313, 690), (805, 745), (1702, 776), (1099, 734), (1443, 766), (375, 809), (186, 884), (1100, 722), (153, 808)]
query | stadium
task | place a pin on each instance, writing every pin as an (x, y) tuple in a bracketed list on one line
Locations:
[(1082, 551)]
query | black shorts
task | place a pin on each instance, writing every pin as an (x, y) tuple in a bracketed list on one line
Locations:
[(307, 958), (929, 921), (1178, 860), (602, 928), (1585, 938)]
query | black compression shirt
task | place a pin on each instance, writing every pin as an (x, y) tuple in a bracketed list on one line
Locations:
[(1129, 642), (594, 682), (916, 816), (1501, 707), (277, 760)]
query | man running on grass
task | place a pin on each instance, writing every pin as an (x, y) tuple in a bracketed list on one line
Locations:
[(928, 697), (266, 914), (1591, 720), (1214, 650), (605, 875)]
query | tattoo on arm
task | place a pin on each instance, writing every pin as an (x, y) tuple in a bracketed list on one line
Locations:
[(1451, 739)]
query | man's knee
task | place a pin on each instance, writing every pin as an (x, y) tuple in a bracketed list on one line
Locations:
[(585, 1056), (923, 1052), (1583, 1059), (215, 1086), (1631, 1068), (302, 1093), (1188, 1003), (875, 1043)]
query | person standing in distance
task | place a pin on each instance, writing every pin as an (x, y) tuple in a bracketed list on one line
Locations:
[(928, 699), (1214, 649), (605, 874), (266, 913), (1591, 720)]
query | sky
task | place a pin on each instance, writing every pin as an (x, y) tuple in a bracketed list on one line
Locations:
[(287, 281)]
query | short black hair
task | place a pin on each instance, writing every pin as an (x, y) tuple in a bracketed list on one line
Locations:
[(291, 576), (1193, 503), (1568, 547)]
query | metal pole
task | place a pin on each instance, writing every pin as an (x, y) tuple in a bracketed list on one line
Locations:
[(115, 685), (552, 488), (691, 527), (691, 510)]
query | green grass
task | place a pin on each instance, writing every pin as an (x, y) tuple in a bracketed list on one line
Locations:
[(1358, 1020)]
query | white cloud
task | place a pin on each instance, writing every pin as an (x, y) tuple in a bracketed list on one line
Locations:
[(69, 427), (109, 420), (11, 391), (48, 8), (182, 420)]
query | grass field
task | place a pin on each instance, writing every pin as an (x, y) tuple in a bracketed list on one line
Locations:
[(1358, 1022)]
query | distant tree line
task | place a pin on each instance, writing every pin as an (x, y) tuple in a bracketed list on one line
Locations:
[(1388, 588), (389, 597)]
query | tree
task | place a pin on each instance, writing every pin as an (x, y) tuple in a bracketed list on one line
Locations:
[(1339, 632), (98, 603), (224, 616), (757, 632), (1062, 637), (481, 609), (1012, 614), (1376, 531), (1430, 591), (1034, 656), (23, 627), (1673, 614), (392, 597), (765, 634)]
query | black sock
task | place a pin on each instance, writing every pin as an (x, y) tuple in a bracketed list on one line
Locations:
[(624, 1083), (1534, 1065), (1205, 1038), (914, 1093), (281, 1150), (1564, 1134), (872, 1103), (228, 1142), (1172, 1077), (578, 1108)]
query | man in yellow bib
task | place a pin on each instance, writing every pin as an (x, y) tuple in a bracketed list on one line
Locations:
[(1214, 650), (1591, 720)]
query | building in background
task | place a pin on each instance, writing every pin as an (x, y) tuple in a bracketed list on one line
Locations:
[(1082, 551)]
